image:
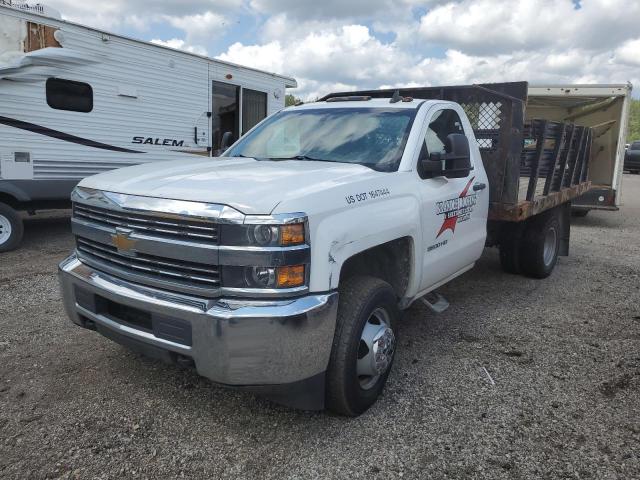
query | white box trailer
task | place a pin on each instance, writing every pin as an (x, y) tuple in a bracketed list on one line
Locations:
[(604, 108), (76, 101)]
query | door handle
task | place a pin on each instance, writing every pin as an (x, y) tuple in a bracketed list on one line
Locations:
[(479, 186)]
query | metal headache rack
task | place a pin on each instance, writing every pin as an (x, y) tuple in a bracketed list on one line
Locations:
[(555, 156), (531, 167)]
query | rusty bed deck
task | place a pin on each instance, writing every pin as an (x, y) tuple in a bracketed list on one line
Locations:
[(527, 208)]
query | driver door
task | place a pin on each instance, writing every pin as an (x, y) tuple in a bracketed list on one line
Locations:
[(454, 210)]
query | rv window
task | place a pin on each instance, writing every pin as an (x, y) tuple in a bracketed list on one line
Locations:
[(69, 95), (254, 108)]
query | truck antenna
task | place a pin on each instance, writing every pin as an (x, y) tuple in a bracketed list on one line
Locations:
[(396, 97)]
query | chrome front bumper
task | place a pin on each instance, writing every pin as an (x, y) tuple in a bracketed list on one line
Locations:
[(236, 343)]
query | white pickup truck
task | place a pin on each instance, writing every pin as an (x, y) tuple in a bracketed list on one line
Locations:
[(283, 266)]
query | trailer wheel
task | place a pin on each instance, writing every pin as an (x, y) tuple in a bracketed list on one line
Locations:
[(11, 228), (541, 245), (363, 345)]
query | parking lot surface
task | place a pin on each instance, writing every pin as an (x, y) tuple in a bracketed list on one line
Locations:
[(519, 379)]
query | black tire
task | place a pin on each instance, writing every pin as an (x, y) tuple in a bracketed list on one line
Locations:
[(579, 213), (360, 297), (536, 260), (10, 219), (509, 248)]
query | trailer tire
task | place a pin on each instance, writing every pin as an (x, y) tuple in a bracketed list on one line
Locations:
[(11, 228), (367, 313), (541, 245)]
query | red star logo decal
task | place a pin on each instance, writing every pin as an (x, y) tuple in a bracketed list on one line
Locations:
[(450, 222)]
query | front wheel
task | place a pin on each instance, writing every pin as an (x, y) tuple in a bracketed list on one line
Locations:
[(11, 228), (363, 347)]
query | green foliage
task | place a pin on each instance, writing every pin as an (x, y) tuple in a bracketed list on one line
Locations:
[(634, 122), (290, 100)]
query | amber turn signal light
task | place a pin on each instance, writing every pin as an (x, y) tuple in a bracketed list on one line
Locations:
[(290, 276), (292, 234)]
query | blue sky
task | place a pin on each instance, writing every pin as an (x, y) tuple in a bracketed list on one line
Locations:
[(373, 43)]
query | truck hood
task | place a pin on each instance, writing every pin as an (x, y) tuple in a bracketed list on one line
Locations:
[(250, 186)]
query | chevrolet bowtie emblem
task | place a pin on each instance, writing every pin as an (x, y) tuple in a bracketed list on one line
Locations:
[(123, 242)]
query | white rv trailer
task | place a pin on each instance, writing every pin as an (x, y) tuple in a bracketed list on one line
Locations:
[(604, 108), (76, 101)]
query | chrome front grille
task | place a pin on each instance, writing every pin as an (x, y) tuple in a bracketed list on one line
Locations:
[(160, 227), (149, 269), (174, 245)]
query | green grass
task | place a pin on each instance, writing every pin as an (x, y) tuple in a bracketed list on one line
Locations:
[(634, 122)]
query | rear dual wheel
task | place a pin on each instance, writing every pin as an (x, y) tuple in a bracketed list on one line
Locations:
[(363, 347), (532, 249)]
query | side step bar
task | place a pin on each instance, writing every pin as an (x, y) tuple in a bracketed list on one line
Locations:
[(436, 302)]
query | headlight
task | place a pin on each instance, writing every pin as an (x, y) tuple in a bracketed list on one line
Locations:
[(260, 277), (262, 235), (290, 276)]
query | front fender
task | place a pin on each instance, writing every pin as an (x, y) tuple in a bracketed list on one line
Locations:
[(338, 236)]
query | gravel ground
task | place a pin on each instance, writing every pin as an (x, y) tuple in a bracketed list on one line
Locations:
[(564, 354)]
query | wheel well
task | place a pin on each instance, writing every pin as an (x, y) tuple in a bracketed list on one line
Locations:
[(9, 200), (390, 262)]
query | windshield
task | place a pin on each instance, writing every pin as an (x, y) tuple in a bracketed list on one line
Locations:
[(374, 137)]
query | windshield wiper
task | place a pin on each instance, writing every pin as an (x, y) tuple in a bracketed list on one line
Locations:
[(304, 157), (313, 159), (239, 155)]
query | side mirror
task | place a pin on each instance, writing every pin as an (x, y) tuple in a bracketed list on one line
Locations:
[(433, 165), (227, 140), (458, 158), (455, 163)]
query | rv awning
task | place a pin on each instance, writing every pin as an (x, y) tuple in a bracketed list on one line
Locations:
[(41, 64)]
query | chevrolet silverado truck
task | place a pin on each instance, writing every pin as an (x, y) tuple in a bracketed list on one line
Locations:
[(282, 268)]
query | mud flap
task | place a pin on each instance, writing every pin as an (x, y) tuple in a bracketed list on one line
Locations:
[(565, 223)]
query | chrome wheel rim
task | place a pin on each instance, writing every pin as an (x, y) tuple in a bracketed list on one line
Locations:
[(550, 240), (5, 229), (376, 348)]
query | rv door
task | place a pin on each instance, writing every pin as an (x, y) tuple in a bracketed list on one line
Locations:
[(225, 100)]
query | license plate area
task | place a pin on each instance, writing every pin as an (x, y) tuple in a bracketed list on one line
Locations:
[(161, 326), (124, 314)]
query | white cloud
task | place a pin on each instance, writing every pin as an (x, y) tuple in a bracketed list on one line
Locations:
[(495, 26), (139, 14), (336, 9), (629, 52), (347, 56), (180, 44), (201, 27)]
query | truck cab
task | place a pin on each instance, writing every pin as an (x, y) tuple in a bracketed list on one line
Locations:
[(283, 266)]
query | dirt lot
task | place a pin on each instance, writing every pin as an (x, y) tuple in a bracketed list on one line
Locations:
[(564, 354)]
